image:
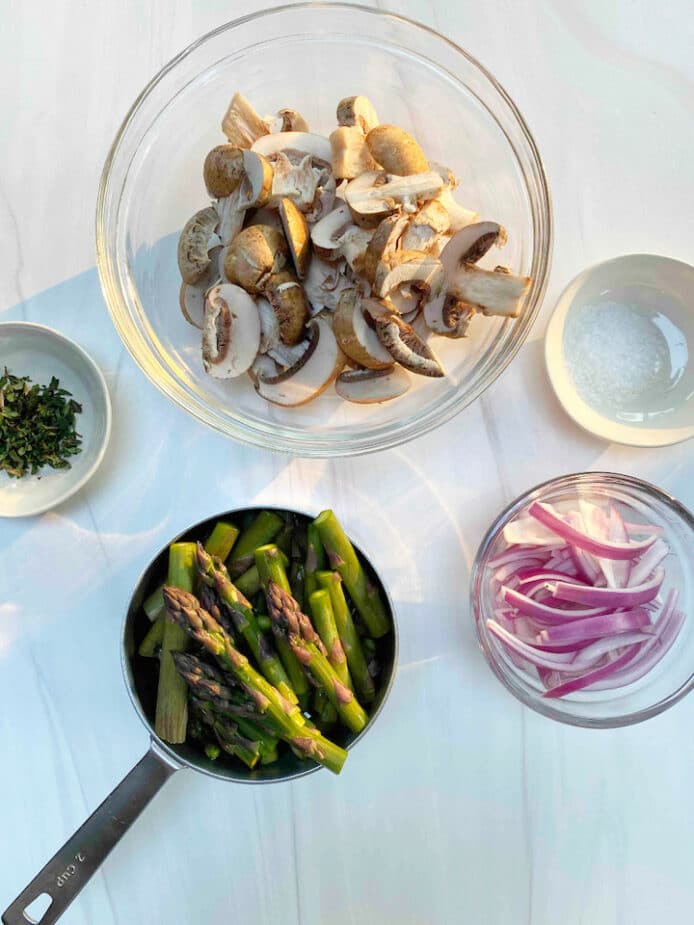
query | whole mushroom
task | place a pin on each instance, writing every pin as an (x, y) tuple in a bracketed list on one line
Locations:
[(254, 255)]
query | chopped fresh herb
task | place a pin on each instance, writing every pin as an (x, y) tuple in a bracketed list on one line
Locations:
[(37, 425)]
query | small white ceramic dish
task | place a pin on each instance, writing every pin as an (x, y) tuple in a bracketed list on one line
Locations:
[(39, 352), (619, 350)]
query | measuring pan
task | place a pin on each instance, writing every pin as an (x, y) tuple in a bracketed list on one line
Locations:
[(68, 871)]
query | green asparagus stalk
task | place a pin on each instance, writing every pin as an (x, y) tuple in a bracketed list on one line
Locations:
[(326, 714), (350, 711), (219, 544), (263, 529), (356, 661), (297, 582), (185, 611), (213, 751), (229, 736), (264, 623), (150, 645), (284, 538), (270, 568), (213, 573), (315, 559), (287, 617), (324, 621), (344, 560), (249, 583), (171, 716)]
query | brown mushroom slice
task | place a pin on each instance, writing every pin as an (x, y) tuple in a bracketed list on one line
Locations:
[(288, 299), (401, 340), (396, 151), (263, 366), (223, 170), (426, 227), (324, 283), (350, 154), (297, 235), (358, 111), (301, 143), (371, 199), (286, 120), (327, 234), (384, 243), (354, 245), (470, 244), (256, 184), (355, 336), (230, 218), (410, 268), (231, 332), (407, 300), (312, 374), (372, 386), (492, 292), (254, 255), (192, 295), (194, 244), (241, 123), (324, 199)]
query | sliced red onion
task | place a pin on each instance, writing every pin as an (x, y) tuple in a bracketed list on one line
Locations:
[(542, 612), (526, 531), (647, 563), (594, 627), (553, 662), (608, 550), (618, 532), (643, 529), (527, 575), (517, 554), (610, 597), (597, 674), (591, 655)]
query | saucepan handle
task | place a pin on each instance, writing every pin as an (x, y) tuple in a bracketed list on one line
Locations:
[(70, 869)]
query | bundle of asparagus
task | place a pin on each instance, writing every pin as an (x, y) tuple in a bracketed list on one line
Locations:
[(281, 671)]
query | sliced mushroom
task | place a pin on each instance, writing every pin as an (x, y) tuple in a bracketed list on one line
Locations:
[(470, 244), (401, 341), (408, 300), (297, 182), (458, 216), (297, 235), (192, 295), (286, 120), (269, 325), (354, 245), (327, 234), (324, 283), (359, 111), (384, 243), (311, 375), (288, 299), (297, 143), (230, 218), (355, 336), (254, 255), (396, 151), (286, 356), (231, 332), (223, 170), (256, 184), (264, 216), (372, 196), (413, 268), (324, 199), (426, 227), (241, 123), (263, 366), (493, 292), (196, 240), (371, 386), (351, 155)]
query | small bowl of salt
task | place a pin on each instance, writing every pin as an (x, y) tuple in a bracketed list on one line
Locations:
[(619, 350)]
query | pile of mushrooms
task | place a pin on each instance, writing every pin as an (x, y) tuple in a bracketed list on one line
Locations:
[(333, 260)]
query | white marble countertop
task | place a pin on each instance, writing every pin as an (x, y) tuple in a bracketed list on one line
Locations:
[(496, 816)]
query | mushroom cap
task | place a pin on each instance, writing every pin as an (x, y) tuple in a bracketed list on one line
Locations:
[(196, 240), (470, 244), (327, 234), (286, 120), (350, 153), (222, 170), (358, 111), (384, 243), (396, 150), (297, 234), (254, 255), (231, 332), (310, 375), (255, 187), (302, 143), (241, 123), (288, 299), (402, 341), (357, 339), (371, 386)]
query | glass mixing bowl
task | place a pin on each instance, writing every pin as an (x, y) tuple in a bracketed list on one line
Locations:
[(671, 678), (308, 57)]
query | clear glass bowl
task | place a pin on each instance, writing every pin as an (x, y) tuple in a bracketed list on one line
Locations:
[(308, 57), (672, 677)]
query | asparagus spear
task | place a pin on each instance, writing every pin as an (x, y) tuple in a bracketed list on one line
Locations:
[(185, 611), (229, 736), (213, 573), (264, 528), (324, 621), (315, 559), (249, 583), (326, 714), (219, 543), (149, 647), (287, 617), (359, 670), (350, 711), (284, 538), (265, 623), (270, 568), (171, 716), (344, 560)]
